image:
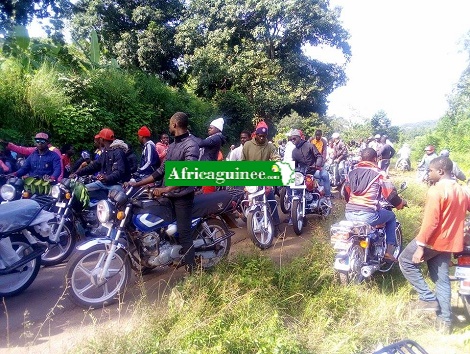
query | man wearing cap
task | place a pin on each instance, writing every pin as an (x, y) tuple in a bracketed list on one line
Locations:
[(210, 146), (41, 162), (149, 160), (26, 151), (184, 148), (322, 144), (258, 149), (112, 166), (456, 171)]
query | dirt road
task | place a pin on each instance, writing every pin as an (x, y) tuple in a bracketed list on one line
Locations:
[(43, 320)]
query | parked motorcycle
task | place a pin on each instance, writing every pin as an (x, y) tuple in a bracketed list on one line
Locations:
[(142, 234), (462, 270), (24, 229), (360, 248), (402, 165), (308, 197), (259, 220)]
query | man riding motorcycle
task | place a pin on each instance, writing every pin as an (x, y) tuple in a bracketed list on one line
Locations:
[(364, 188), (42, 161), (112, 166)]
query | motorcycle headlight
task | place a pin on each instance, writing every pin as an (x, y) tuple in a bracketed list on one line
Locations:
[(55, 192), (8, 192), (299, 178), (103, 211), (252, 189)]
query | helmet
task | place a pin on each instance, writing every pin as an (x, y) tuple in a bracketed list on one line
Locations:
[(85, 155), (445, 153), (377, 136), (430, 148), (335, 136)]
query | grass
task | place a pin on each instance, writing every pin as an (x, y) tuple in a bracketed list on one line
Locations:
[(249, 304)]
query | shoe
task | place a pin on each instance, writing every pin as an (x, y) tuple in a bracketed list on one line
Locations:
[(422, 305), (443, 326)]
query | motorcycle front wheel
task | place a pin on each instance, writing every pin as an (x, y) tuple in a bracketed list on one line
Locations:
[(297, 217), (58, 252), (216, 229), (261, 236), (83, 270), (285, 200), (19, 279), (353, 276)]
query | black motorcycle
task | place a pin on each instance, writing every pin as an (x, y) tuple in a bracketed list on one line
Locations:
[(142, 235), (24, 229)]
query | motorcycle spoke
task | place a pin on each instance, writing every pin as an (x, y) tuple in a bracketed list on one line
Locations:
[(86, 288), (84, 270)]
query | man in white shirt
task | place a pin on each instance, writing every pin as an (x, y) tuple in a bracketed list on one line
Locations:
[(235, 154)]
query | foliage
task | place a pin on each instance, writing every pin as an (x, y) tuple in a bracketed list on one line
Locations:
[(381, 124), (308, 125), (138, 33), (256, 48)]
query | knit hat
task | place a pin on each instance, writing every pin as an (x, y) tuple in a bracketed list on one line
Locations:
[(218, 123), (42, 136), (262, 128), (144, 131), (294, 132)]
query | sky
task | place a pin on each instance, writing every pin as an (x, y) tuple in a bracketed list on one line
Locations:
[(407, 56)]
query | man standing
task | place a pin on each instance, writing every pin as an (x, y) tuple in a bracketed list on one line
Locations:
[(456, 171), (339, 156), (236, 154), (258, 149), (162, 146), (149, 160), (183, 148), (41, 161), (321, 144), (211, 145), (440, 235), (385, 153)]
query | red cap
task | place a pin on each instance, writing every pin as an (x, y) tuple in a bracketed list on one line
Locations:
[(144, 131), (106, 134), (262, 128), (42, 136), (97, 136)]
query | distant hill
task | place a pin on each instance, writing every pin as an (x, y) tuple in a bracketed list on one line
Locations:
[(425, 125)]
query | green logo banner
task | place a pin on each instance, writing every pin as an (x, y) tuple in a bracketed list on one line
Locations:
[(229, 173)]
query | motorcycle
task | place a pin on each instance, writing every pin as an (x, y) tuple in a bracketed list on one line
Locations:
[(24, 229), (402, 165), (360, 248), (462, 270), (308, 197), (142, 235), (259, 218)]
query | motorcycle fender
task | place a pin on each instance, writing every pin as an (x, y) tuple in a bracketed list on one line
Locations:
[(97, 241), (250, 208), (342, 263), (296, 198)]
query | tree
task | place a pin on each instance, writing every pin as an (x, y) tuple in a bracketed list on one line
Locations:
[(22, 12), (256, 48), (139, 34)]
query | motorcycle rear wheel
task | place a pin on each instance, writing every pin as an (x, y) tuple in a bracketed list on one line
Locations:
[(261, 237), (14, 283), (297, 217), (83, 269), (285, 201), (466, 305), (353, 276), (217, 230), (57, 253)]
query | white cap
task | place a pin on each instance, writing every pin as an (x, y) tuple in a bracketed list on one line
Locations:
[(294, 132), (335, 136), (218, 123)]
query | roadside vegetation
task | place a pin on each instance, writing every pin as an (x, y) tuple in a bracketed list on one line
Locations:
[(252, 304)]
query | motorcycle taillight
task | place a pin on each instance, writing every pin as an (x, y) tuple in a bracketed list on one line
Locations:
[(309, 182), (464, 260)]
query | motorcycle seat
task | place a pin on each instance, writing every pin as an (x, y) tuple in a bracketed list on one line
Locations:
[(18, 214), (211, 203)]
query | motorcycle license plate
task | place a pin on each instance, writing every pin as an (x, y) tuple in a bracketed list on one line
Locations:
[(341, 245), (60, 204), (462, 272)]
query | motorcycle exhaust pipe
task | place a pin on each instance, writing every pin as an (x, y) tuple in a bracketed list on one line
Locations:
[(367, 271)]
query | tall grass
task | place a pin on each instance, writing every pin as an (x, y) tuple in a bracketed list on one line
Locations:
[(250, 304)]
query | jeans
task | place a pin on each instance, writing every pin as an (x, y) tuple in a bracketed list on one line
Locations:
[(183, 209), (95, 188), (324, 177), (379, 217), (438, 265), (273, 206)]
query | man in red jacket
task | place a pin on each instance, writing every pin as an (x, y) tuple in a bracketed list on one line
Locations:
[(440, 235)]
